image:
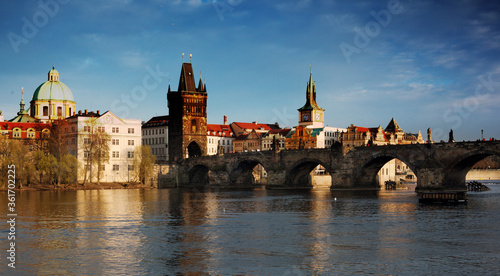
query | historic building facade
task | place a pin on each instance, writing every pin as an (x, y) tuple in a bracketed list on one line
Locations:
[(187, 135), (52, 100), (124, 134), (220, 138), (311, 131), (155, 135)]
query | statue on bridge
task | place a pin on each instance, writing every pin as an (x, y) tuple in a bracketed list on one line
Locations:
[(450, 139), (429, 135)]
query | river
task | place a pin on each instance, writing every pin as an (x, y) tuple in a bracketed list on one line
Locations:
[(250, 232)]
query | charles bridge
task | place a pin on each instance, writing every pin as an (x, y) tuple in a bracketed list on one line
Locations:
[(438, 166)]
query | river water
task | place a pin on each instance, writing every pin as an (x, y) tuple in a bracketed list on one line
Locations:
[(251, 232)]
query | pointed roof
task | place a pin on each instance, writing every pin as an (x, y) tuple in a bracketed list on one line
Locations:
[(393, 127), (186, 80), (310, 96)]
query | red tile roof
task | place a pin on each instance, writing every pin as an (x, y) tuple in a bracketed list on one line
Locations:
[(256, 126), (219, 130)]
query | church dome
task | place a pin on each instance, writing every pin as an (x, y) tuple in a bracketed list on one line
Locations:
[(53, 89)]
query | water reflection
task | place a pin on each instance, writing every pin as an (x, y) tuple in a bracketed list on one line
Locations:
[(253, 232)]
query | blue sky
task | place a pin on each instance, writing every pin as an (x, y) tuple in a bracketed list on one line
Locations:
[(426, 63)]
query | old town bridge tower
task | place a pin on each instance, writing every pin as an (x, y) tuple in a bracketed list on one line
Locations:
[(187, 129)]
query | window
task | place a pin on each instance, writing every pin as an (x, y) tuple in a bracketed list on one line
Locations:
[(116, 154), (86, 128), (130, 154), (16, 133), (45, 111), (115, 130), (103, 168), (31, 133), (59, 111), (130, 142), (85, 154), (131, 130), (130, 167), (70, 111), (115, 142), (101, 129), (86, 141), (116, 168)]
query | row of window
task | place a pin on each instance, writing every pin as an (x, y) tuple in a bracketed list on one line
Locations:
[(153, 141), (130, 130), (115, 167), (114, 154), (214, 141), (45, 111), (158, 151), (153, 131), (116, 142)]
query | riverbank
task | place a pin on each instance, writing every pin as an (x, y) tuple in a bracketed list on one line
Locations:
[(88, 186)]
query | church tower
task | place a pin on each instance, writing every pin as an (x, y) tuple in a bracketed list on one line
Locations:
[(187, 129), (311, 115)]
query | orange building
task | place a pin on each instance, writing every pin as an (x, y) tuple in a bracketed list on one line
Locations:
[(302, 138)]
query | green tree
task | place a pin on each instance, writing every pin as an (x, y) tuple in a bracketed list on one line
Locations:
[(22, 158), (143, 163)]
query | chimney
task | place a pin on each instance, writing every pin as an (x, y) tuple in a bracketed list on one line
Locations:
[(79, 112), (86, 112), (225, 120), (98, 113)]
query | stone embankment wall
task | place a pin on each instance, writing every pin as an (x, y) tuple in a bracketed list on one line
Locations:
[(165, 176), (483, 175)]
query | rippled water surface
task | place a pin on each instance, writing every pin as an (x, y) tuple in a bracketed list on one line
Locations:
[(260, 232)]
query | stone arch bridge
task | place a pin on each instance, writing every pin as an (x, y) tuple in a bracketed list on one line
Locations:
[(438, 166)]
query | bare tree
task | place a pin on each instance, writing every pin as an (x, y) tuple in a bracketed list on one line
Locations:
[(95, 145)]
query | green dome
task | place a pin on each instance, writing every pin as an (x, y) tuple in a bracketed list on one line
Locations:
[(53, 89)]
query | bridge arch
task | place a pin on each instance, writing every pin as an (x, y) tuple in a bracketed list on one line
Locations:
[(300, 174), (248, 172), (368, 172), (199, 175), (456, 171)]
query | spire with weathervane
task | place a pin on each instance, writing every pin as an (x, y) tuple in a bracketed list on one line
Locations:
[(21, 104), (311, 115)]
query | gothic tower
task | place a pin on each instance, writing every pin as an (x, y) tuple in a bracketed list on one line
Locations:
[(187, 129), (311, 115)]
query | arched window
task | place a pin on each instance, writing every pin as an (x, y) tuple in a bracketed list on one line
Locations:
[(45, 111), (31, 133), (59, 111), (194, 128), (16, 133)]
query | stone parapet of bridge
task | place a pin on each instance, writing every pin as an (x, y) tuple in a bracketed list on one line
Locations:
[(438, 166)]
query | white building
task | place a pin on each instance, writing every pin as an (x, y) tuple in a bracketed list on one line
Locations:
[(328, 135), (155, 134), (219, 139), (125, 137)]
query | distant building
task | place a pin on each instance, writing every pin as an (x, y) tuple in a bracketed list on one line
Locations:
[(155, 135), (220, 138), (277, 136), (125, 136), (247, 142), (311, 115), (187, 135), (357, 136), (311, 132)]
